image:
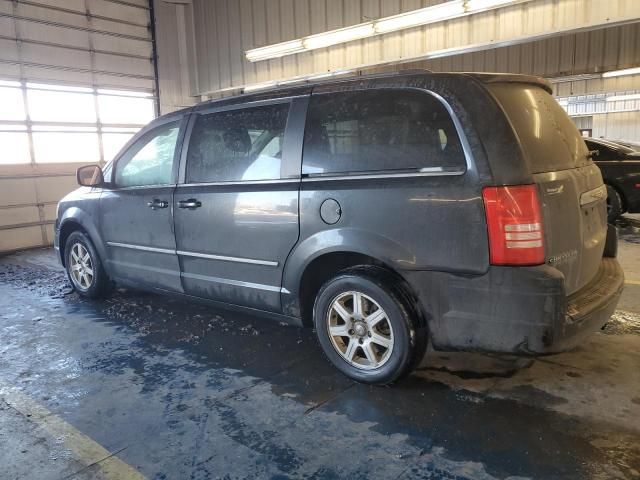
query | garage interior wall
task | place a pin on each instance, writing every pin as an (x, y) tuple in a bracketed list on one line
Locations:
[(76, 82), (201, 49)]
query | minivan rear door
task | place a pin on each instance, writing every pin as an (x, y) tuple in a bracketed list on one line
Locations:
[(236, 204), (570, 185)]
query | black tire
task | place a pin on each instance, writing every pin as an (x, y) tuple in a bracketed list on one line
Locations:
[(408, 332), (99, 284), (614, 204)]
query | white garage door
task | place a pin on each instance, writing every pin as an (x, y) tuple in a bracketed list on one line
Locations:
[(76, 82)]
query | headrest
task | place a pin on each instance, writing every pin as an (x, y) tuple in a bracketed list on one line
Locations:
[(237, 140)]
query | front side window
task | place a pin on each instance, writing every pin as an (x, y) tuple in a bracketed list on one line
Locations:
[(381, 130), (237, 145), (149, 161)]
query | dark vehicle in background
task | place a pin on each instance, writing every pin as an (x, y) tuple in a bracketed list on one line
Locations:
[(635, 146), (385, 211), (620, 167)]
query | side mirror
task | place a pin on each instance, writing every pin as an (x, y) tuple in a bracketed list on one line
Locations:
[(90, 176)]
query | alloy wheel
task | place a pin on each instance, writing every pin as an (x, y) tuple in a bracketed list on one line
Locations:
[(81, 267), (360, 330)]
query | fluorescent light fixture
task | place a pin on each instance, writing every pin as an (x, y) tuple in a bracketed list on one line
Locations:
[(574, 78), (259, 86), (301, 79), (620, 73), (439, 13), (624, 98), (320, 76), (338, 36), (289, 82), (275, 51), (476, 6), (424, 16)]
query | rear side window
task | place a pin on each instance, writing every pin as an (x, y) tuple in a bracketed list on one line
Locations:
[(237, 145), (549, 138), (381, 130)]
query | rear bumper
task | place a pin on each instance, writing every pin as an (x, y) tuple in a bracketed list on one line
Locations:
[(518, 310), (589, 309)]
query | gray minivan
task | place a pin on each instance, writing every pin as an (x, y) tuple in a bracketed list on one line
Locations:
[(386, 211)]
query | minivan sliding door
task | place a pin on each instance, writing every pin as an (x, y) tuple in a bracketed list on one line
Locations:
[(236, 205)]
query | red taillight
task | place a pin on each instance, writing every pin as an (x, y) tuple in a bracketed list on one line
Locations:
[(514, 223)]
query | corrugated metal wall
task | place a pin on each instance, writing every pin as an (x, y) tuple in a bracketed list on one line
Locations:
[(595, 51), (219, 31), (617, 126), (91, 43)]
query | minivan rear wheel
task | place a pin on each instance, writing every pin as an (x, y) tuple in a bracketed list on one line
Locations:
[(84, 267), (367, 327)]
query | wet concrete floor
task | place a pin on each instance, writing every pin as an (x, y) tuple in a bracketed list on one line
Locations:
[(173, 390)]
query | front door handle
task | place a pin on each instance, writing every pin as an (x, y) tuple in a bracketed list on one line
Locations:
[(191, 204), (155, 203)]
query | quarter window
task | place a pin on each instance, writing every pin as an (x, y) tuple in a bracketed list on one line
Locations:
[(149, 161), (237, 145), (382, 130)]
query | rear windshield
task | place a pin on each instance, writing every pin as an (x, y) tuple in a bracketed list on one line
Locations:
[(549, 138)]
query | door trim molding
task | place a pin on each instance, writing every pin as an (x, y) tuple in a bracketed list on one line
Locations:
[(142, 247), (235, 283), (224, 258)]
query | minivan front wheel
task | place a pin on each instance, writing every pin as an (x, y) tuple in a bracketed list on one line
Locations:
[(84, 267), (366, 326)]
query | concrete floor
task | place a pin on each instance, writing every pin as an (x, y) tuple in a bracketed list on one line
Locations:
[(145, 386)]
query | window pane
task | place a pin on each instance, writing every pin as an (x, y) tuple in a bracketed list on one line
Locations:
[(381, 130), (112, 143), (52, 147), (239, 145), (15, 148), (11, 104), (61, 106), (149, 161), (125, 109)]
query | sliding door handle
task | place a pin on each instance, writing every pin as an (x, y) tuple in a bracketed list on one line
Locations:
[(191, 204)]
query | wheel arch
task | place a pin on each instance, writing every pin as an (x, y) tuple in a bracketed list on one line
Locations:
[(76, 219), (309, 266)]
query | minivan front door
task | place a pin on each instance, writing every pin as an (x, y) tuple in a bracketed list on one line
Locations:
[(136, 213), (236, 210)]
